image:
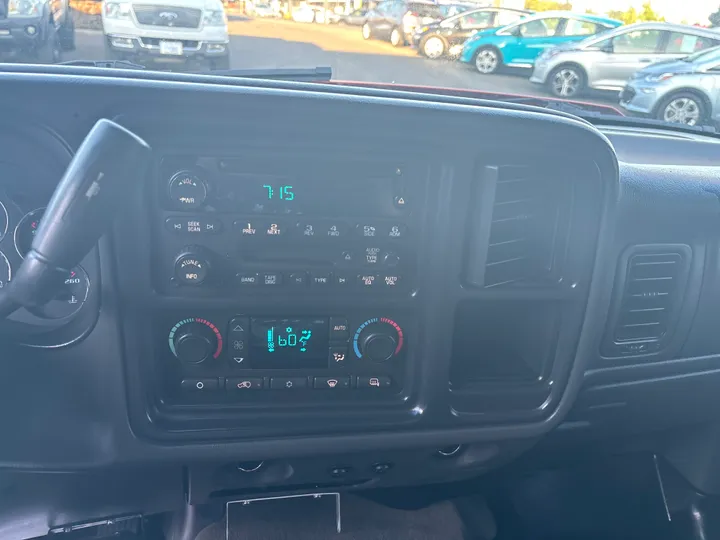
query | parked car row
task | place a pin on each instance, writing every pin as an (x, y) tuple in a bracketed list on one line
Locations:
[(660, 70)]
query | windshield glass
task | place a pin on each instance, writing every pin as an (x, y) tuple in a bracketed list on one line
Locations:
[(492, 49)]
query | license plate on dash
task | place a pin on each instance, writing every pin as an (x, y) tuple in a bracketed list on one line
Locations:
[(171, 47)]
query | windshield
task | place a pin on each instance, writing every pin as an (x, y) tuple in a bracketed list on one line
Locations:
[(707, 55), (501, 49)]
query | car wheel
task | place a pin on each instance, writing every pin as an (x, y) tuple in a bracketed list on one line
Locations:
[(433, 47), (50, 51), (366, 31), (67, 32), (487, 60), (683, 108), (566, 81), (396, 38)]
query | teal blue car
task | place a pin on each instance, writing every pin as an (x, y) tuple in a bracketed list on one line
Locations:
[(520, 43)]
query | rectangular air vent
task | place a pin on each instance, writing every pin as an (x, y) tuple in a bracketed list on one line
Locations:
[(520, 219), (649, 292)]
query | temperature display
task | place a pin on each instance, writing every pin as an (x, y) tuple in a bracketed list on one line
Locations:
[(289, 343)]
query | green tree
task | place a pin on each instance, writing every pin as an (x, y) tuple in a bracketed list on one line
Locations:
[(714, 18), (648, 14), (615, 14), (630, 16), (546, 5)]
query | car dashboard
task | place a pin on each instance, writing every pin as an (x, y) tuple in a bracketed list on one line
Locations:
[(309, 292)]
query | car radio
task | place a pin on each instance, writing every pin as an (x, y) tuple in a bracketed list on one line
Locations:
[(257, 226)]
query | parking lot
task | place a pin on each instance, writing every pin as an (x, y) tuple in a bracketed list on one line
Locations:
[(271, 43)]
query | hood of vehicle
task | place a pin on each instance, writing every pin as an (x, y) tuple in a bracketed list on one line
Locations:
[(479, 94), (488, 32), (668, 66)]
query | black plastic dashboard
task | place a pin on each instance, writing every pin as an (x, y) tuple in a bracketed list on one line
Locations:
[(511, 291)]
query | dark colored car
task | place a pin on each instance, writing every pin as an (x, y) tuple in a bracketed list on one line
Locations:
[(35, 30), (355, 18), (396, 20), (446, 38)]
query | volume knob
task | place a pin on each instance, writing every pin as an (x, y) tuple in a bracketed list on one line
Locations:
[(192, 266)]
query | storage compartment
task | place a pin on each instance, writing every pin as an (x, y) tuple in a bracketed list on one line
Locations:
[(502, 341)]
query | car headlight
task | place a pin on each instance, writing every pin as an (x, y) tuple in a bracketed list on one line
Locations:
[(548, 54), (117, 10), (214, 17), (24, 8), (659, 78)]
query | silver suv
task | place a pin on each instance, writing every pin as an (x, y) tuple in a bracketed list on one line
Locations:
[(685, 91), (606, 61)]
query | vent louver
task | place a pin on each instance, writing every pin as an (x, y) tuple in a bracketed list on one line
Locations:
[(523, 228), (651, 292)]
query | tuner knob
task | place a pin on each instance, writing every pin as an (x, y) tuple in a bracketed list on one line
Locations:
[(378, 347), (192, 266), (187, 190)]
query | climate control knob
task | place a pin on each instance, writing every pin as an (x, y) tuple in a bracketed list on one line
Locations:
[(192, 348), (194, 340), (192, 266), (378, 339), (187, 190), (378, 347)]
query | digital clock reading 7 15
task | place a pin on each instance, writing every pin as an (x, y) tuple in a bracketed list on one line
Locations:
[(279, 193)]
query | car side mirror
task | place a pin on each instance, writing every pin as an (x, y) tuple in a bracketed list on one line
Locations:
[(607, 47), (517, 32)]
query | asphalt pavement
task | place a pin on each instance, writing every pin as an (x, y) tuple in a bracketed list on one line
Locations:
[(271, 43)]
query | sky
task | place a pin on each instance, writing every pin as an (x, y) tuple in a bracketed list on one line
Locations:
[(690, 11)]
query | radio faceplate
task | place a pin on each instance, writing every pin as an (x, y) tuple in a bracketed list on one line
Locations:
[(260, 226)]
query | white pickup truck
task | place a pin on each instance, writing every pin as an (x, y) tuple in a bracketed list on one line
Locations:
[(188, 33)]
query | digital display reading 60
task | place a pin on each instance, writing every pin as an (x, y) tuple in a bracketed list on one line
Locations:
[(279, 193), (288, 343), (297, 338)]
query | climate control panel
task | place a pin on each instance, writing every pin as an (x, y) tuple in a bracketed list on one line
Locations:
[(230, 357)]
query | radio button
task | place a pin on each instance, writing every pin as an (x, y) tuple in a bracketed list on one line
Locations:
[(297, 279), (367, 281), (400, 202), (339, 330), (239, 384), (333, 229), (288, 383), (273, 228), (309, 229), (390, 280), (321, 279), (248, 228), (238, 328), (346, 257), (342, 280), (211, 226), (332, 382), (397, 231), (371, 256), (271, 279), (248, 279), (368, 230), (381, 381)]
